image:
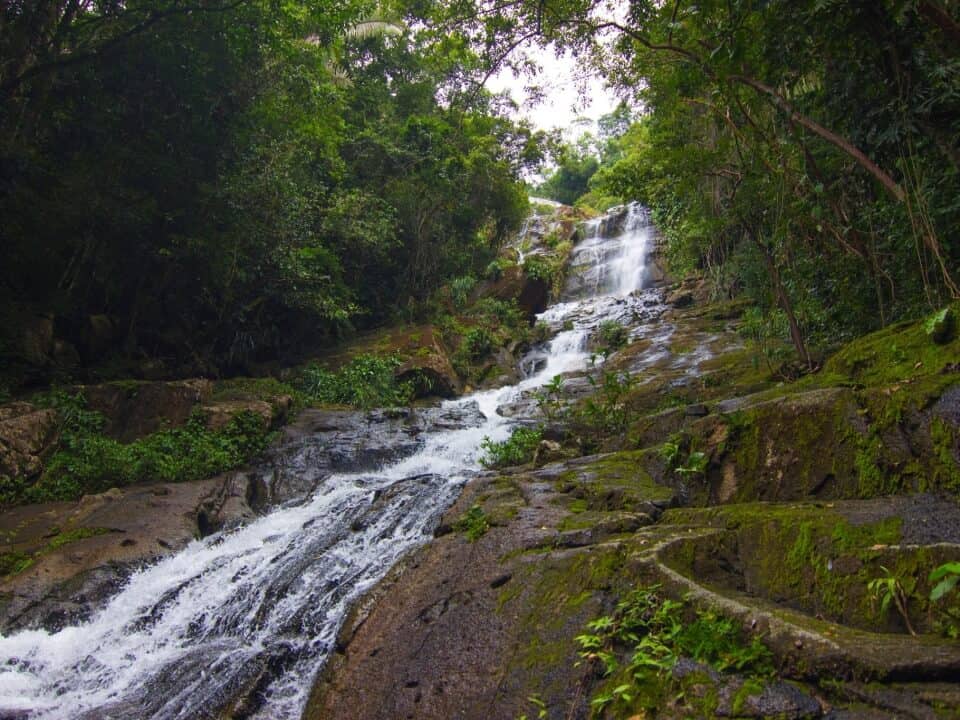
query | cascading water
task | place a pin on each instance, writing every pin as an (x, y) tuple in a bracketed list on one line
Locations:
[(259, 606)]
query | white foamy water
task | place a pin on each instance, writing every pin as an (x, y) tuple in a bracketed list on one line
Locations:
[(259, 606)]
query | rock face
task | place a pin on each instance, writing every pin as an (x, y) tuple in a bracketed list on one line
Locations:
[(429, 367), (322, 441), (73, 556), (135, 409), (792, 509), (470, 630), (218, 414), (81, 552), (530, 293), (27, 434)]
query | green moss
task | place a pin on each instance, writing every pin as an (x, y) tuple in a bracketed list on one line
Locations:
[(64, 538), (13, 563), (898, 353), (750, 688), (267, 389), (873, 481), (946, 469)]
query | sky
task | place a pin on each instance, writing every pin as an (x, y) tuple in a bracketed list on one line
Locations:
[(561, 106)]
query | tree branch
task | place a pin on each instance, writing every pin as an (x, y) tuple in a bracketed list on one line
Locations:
[(837, 141)]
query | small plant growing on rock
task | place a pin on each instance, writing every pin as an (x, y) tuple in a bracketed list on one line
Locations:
[(947, 576), (613, 335), (889, 590), (607, 411), (696, 464), (473, 523), (549, 399), (652, 633), (518, 449)]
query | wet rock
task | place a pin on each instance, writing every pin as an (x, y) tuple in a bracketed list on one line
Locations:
[(680, 299), (104, 537), (27, 435), (696, 410), (321, 441), (775, 699)]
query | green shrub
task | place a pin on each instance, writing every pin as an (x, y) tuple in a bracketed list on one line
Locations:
[(518, 449), (539, 269), (477, 343), (364, 382), (89, 462), (460, 289), (606, 411), (653, 632), (499, 312), (473, 523), (613, 335)]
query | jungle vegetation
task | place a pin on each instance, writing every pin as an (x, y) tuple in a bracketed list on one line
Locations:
[(209, 183)]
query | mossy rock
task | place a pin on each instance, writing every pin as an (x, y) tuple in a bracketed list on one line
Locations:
[(899, 353), (814, 557)]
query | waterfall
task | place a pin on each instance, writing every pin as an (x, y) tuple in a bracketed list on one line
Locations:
[(260, 605)]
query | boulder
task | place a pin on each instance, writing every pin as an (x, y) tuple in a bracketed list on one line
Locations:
[(135, 409), (428, 366), (27, 434), (530, 293), (80, 553), (219, 414)]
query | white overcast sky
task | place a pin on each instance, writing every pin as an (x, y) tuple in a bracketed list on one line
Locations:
[(561, 105)]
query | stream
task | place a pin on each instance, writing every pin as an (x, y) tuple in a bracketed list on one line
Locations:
[(254, 611)]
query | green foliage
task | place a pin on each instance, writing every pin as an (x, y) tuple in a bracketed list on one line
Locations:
[(518, 449), (87, 462), (477, 343), (696, 464), (366, 381), (323, 171), (767, 334), (613, 335), (550, 398), (653, 632), (946, 577), (473, 523), (940, 326), (889, 590), (606, 411), (576, 165), (460, 289)]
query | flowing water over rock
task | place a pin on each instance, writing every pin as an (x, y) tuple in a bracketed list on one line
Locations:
[(252, 613)]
